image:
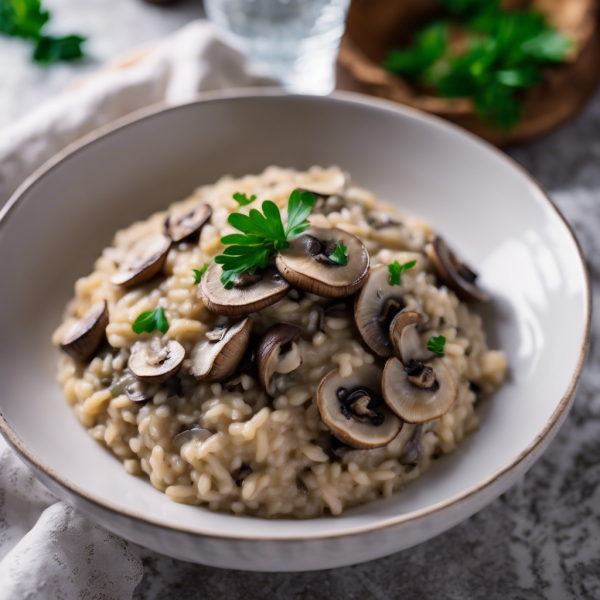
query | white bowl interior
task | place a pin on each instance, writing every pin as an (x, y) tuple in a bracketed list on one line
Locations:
[(488, 210)]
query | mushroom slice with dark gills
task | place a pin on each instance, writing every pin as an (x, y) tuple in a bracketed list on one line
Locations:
[(404, 335), (143, 261), (84, 337), (181, 225), (455, 274), (278, 352), (354, 411), (218, 356), (307, 263), (377, 304), (250, 293), (418, 392), (156, 360)]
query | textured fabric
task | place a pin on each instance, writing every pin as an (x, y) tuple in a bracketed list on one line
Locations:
[(192, 60)]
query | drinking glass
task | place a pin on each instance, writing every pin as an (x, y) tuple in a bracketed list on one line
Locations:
[(294, 41)]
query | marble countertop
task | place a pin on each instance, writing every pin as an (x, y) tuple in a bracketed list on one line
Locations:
[(541, 540)]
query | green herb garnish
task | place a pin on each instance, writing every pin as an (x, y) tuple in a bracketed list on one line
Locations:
[(436, 344), (26, 19), (505, 51), (396, 269), (150, 320), (198, 273), (340, 255), (242, 199), (262, 234)]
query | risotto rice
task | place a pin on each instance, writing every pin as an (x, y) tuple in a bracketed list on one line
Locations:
[(266, 454)]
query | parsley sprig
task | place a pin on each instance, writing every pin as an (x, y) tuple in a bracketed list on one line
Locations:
[(505, 52), (396, 270), (340, 255), (436, 344), (150, 320), (26, 19), (262, 234), (242, 199), (198, 273)]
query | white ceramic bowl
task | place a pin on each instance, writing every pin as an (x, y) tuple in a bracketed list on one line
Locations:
[(491, 211)]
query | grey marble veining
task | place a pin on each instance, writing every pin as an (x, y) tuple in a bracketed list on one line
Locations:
[(541, 540)]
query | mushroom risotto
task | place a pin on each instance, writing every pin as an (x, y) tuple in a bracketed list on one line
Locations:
[(279, 344)]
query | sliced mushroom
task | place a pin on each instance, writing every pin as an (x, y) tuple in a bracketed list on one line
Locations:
[(250, 293), (218, 357), (354, 411), (419, 392), (196, 433), (139, 391), (307, 264), (155, 361), (85, 336), (377, 304), (278, 352), (405, 338), (142, 261), (455, 274), (182, 225)]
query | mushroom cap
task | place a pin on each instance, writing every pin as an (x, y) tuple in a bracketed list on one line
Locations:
[(218, 358), (345, 427), (404, 335), (376, 305), (155, 361), (143, 261), (239, 301), (278, 352), (455, 274), (414, 404), (302, 269), (184, 224), (84, 337)]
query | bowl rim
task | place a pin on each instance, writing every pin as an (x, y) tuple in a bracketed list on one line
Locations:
[(552, 424)]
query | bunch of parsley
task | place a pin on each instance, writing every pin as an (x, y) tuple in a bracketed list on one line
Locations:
[(26, 19), (505, 52), (262, 234)]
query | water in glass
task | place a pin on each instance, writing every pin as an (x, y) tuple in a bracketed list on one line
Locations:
[(295, 41)]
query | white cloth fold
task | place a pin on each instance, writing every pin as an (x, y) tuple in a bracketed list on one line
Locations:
[(47, 549), (193, 60)]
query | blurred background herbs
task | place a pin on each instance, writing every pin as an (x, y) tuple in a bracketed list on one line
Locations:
[(26, 19), (480, 51)]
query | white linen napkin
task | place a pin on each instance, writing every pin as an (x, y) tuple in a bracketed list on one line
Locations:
[(47, 549), (192, 60)]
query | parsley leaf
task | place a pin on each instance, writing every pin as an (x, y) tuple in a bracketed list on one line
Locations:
[(396, 269), (198, 273), (262, 234), (436, 344), (340, 255), (299, 207), (26, 19), (504, 52), (150, 320), (429, 46), (243, 200)]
